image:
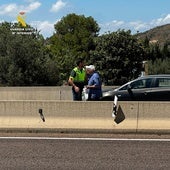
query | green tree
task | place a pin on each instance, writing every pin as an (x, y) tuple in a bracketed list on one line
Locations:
[(165, 52), (23, 59), (74, 38), (159, 66), (118, 56)]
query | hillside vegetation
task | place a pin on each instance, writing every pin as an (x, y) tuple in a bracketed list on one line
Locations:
[(160, 34)]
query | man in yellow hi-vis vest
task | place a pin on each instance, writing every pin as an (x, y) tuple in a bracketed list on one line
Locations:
[(77, 80)]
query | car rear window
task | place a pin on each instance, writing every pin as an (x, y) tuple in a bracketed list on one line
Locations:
[(163, 82)]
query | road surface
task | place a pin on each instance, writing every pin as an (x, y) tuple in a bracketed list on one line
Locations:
[(87, 152)]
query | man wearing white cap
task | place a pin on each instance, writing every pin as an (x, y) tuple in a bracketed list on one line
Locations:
[(94, 84)]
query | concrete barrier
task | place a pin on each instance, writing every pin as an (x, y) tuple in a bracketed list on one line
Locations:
[(150, 117), (58, 115), (23, 115), (154, 116), (36, 93)]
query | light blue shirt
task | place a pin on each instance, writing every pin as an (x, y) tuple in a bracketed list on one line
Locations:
[(95, 93)]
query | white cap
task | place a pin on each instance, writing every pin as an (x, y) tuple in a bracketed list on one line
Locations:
[(90, 67)]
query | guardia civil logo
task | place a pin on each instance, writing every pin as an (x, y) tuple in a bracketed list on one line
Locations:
[(22, 28), (21, 19)]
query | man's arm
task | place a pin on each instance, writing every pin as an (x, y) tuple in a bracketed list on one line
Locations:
[(71, 78), (71, 81)]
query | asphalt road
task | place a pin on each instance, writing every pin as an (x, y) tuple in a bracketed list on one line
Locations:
[(100, 153)]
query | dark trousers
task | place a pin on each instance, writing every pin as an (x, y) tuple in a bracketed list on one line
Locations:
[(77, 96)]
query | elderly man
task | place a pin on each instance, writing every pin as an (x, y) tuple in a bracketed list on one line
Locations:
[(94, 84)]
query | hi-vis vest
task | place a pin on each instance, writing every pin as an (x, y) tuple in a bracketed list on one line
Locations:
[(80, 75)]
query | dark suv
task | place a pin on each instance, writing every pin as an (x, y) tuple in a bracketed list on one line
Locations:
[(146, 88)]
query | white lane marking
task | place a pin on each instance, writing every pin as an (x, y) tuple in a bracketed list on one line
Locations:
[(87, 139)]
